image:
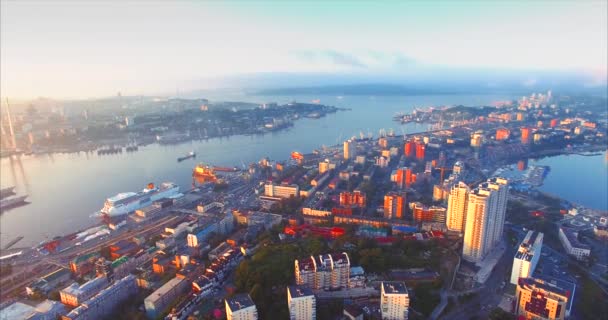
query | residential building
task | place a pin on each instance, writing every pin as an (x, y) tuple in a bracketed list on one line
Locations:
[(103, 303), (527, 256), (350, 149), (394, 205), (405, 177), (600, 231), (281, 191), (458, 168), (476, 139), (457, 207), (541, 299), (160, 299), (75, 294), (501, 188), (199, 235), (486, 207), (302, 303), (422, 213), (45, 310), (394, 300), (241, 307), (569, 239), (355, 198), (327, 271)]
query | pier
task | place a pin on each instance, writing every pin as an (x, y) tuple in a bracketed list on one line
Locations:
[(12, 243)]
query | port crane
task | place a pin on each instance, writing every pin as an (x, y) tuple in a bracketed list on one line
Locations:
[(443, 170)]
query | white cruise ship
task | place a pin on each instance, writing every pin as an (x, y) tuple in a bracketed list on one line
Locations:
[(126, 202)]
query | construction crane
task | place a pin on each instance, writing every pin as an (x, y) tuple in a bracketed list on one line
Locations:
[(443, 170)]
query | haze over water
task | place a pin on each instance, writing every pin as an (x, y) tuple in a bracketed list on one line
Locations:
[(65, 189)]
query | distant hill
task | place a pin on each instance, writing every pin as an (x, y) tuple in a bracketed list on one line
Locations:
[(357, 89)]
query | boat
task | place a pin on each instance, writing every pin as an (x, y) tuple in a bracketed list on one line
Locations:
[(126, 202), (11, 202), (6, 192), (225, 169), (191, 154)]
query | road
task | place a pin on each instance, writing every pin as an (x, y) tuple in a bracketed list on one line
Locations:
[(489, 295)]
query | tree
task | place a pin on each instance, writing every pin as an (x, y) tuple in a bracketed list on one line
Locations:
[(500, 314), (373, 260)]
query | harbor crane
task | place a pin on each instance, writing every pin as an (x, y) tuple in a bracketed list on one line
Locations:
[(443, 170)]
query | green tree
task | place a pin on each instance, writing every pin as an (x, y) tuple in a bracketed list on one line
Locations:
[(500, 314)]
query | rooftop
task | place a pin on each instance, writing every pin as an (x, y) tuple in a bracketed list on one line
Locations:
[(239, 301), (299, 292), (552, 285), (160, 292), (572, 238), (76, 290), (56, 274), (394, 287)]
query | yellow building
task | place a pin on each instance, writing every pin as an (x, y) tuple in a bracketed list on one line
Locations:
[(540, 299)]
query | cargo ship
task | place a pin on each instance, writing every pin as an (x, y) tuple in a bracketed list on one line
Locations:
[(6, 192), (191, 154), (126, 202), (202, 171)]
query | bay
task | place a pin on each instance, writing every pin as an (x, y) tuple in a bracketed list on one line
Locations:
[(65, 189)]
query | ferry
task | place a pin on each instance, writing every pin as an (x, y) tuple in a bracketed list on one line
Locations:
[(126, 202)]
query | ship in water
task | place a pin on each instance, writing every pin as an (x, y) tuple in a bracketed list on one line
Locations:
[(191, 154), (126, 202), (203, 173)]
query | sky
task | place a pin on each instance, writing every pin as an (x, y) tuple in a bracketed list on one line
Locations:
[(98, 48)]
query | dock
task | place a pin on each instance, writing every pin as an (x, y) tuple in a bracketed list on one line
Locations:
[(12, 243)]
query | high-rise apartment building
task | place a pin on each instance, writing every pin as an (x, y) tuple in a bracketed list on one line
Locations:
[(527, 256), (501, 187), (394, 300), (409, 149), (457, 207), (420, 150), (350, 151), (486, 207), (327, 271), (302, 303), (241, 307), (394, 205), (405, 178)]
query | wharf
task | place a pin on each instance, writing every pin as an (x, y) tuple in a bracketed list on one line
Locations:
[(12, 243)]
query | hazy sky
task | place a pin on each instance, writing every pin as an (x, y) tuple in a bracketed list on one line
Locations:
[(70, 49)]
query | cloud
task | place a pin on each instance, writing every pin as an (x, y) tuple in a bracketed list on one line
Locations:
[(344, 59), (330, 56), (377, 60)]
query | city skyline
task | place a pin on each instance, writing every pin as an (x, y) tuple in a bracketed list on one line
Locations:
[(303, 160), (82, 50)]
